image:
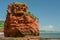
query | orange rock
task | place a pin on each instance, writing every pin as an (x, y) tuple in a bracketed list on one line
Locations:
[(17, 24)]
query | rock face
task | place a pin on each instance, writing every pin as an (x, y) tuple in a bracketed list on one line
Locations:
[(19, 23)]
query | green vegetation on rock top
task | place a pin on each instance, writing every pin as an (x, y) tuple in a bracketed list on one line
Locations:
[(29, 13), (19, 2)]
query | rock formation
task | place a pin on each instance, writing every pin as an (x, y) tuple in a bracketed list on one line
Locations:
[(19, 22)]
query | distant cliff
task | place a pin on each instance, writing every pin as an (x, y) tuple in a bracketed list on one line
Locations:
[(1, 23), (20, 22)]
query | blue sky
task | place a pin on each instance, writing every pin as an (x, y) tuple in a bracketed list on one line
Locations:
[(48, 12)]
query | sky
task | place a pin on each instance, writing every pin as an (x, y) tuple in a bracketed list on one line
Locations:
[(48, 12)]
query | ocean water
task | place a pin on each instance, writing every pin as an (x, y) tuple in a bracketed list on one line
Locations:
[(50, 35)]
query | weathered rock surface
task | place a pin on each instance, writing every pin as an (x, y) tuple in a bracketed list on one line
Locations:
[(19, 23)]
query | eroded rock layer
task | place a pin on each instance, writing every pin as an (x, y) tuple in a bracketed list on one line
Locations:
[(19, 22)]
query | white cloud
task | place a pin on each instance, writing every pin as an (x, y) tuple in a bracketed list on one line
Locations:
[(47, 28)]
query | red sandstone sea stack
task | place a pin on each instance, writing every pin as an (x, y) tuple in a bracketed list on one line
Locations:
[(19, 22)]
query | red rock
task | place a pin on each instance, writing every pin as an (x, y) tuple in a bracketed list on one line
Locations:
[(18, 23)]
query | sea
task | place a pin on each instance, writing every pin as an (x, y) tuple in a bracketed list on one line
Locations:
[(50, 36)]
